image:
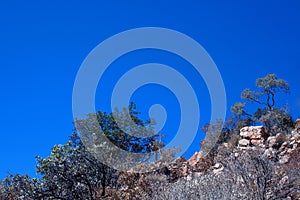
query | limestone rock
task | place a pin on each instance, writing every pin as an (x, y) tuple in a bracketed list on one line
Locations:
[(253, 132), (257, 141), (252, 135), (217, 168), (245, 132), (244, 143), (226, 144)]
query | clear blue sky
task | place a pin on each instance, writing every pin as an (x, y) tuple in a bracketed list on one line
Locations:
[(43, 44)]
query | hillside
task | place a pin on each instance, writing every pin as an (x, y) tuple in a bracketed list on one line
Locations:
[(260, 167), (255, 166)]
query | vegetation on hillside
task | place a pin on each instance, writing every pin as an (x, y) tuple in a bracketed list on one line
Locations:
[(71, 171)]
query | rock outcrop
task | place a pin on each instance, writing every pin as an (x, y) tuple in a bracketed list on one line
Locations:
[(266, 167), (252, 135), (282, 151)]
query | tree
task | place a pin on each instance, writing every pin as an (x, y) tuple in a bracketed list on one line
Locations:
[(101, 133), (72, 172), (239, 119), (275, 119), (129, 132), (268, 87), (213, 135), (20, 187)]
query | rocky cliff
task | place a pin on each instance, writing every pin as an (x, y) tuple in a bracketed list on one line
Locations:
[(257, 166), (270, 163)]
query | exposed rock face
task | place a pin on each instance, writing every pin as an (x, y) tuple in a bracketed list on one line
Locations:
[(254, 132), (270, 163), (217, 168), (275, 147), (282, 150), (178, 169), (244, 143), (194, 159), (252, 135), (199, 162)]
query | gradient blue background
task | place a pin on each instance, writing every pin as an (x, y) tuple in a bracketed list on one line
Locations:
[(43, 43)]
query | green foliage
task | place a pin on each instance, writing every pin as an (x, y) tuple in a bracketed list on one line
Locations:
[(213, 135), (234, 140), (125, 130), (20, 187), (239, 119), (102, 132), (274, 119), (72, 172), (268, 87), (239, 109)]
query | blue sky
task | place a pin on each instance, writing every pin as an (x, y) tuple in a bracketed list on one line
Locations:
[(43, 43)]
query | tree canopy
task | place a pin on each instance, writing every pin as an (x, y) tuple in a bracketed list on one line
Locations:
[(274, 118), (267, 88)]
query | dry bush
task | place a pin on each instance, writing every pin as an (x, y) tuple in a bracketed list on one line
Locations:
[(243, 177)]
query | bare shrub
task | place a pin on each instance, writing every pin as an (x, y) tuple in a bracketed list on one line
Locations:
[(243, 177)]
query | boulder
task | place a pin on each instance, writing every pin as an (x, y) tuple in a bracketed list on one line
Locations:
[(257, 141), (225, 144), (253, 132), (246, 132), (244, 143), (217, 168), (254, 135)]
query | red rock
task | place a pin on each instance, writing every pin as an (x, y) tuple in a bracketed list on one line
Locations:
[(194, 159)]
